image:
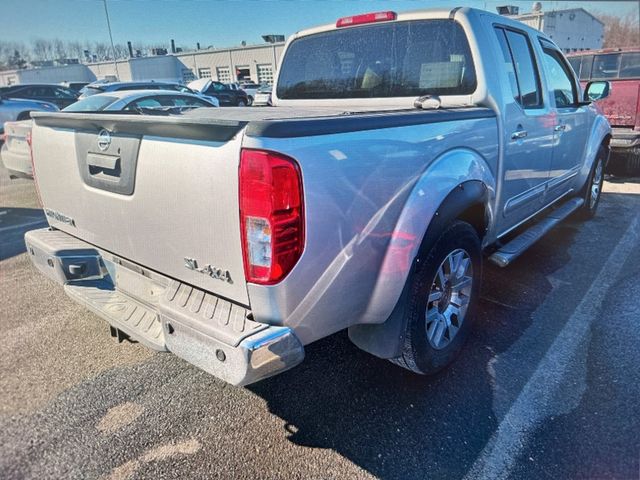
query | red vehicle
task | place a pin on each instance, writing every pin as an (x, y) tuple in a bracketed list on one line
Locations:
[(621, 67)]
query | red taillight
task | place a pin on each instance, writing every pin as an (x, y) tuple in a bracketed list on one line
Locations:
[(366, 18), (271, 215)]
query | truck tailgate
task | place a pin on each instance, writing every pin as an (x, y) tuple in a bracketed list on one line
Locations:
[(161, 194)]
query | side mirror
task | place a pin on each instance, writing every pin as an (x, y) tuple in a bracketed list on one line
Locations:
[(596, 91)]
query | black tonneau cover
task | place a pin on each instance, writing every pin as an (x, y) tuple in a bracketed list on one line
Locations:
[(222, 124)]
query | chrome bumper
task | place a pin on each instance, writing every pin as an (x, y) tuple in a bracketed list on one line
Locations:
[(624, 138), (166, 315)]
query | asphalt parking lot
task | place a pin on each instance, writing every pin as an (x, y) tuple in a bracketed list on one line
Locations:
[(547, 387)]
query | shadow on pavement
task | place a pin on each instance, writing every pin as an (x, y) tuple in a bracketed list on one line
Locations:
[(14, 223), (395, 424)]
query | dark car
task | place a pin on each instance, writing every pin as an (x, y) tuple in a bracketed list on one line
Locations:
[(227, 96), (94, 88), (44, 92)]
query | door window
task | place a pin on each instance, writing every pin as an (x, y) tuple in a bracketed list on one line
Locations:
[(63, 93), (149, 102), (184, 101), (520, 64), (35, 92), (559, 77)]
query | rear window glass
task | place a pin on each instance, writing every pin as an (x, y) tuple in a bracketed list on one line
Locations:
[(385, 60), (606, 66), (585, 67), (87, 91), (94, 103)]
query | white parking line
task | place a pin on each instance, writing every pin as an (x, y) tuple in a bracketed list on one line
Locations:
[(532, 405), (30, 224)]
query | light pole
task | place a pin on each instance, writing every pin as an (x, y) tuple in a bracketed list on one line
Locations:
[(113, 49)]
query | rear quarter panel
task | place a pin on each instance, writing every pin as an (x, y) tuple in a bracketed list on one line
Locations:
[(369, 197)]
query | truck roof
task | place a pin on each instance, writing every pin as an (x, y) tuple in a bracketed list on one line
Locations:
[(430, 13)]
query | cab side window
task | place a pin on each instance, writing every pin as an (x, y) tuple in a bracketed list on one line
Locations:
[(521, 67), (559, 77)]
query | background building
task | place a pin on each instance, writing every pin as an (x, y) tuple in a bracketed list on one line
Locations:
[(573, 30), (257, 63)]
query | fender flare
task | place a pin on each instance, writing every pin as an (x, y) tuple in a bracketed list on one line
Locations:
[(385, 339), (600, 133)]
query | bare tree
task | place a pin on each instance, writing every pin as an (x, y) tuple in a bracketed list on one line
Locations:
[(102, 51), (121, 51), (620, 31), (42, 49), (76, 50), (60, 49), (13, 55)]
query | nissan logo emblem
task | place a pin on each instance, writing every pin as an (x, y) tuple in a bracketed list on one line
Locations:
[(104, 140)]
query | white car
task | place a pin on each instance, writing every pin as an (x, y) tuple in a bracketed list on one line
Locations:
[(16, 150), (143, 101), (263, 96)]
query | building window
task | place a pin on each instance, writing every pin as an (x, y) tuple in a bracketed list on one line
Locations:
[(188, 75), (265, 74), (224, 74), (204, 72)]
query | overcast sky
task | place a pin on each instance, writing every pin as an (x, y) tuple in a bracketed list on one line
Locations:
[(219, 22)]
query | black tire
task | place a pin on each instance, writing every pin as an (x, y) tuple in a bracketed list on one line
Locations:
[(250, 100), (24, 116), (242, 102), (592, 190), (419, 353)]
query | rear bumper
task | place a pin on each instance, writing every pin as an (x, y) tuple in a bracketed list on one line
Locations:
[(623, 138), (625, 152), (19, 166), (165, 315)]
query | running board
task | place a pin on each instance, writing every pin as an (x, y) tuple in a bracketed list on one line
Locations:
[(516, 247)]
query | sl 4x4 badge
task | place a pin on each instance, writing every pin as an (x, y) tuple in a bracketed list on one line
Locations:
[(213, 272)]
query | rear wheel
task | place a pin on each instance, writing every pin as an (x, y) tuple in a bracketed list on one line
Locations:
[(24, 116), (444, 289), (592, 191), (242, 102)]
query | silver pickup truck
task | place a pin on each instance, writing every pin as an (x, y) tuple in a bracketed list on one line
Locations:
[(402, 150)]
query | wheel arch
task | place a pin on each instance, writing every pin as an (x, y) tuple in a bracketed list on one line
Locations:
[(469, 200), (600, 135), (24, 115)]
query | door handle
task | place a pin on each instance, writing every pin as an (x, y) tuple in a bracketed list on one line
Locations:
[(560, 128), (518, 134)]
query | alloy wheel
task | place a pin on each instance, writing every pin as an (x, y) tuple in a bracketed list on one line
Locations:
[(449, 298)]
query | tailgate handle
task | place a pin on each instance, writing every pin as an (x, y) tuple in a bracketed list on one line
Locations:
[(103, 164)]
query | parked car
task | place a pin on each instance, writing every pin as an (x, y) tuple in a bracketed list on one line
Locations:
[(141, 101), (106, 87), (16, 149), (226, 95), (263, 96), (75, 86), (400, 149), (43, 92), (249, 88), (17, 109), (621, 68), (16, 152)]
